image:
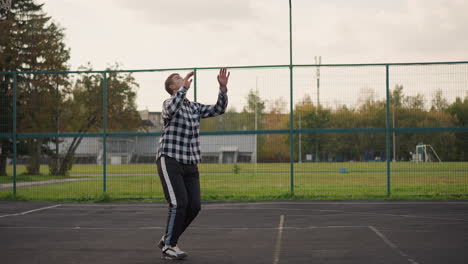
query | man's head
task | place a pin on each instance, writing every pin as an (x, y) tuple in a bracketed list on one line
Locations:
[(173, 83)]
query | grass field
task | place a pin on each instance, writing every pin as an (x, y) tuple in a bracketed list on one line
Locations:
[(263, 181)]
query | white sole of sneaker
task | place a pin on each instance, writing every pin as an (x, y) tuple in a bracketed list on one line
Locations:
[(167, 257)]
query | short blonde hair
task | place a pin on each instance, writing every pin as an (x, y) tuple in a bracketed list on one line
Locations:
[(168, 82)]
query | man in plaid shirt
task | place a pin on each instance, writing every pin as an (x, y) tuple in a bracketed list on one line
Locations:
[(179, 154)]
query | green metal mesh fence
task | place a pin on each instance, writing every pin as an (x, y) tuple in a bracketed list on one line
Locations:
[(356, 131)]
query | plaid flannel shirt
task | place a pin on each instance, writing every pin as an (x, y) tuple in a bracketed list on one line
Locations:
[(180, 135)]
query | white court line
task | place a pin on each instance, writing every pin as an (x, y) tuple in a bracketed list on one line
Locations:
[(222, 207), (278, 241), (31, 211), (280, 227), (65, 207), (393, 246), (318, 227), (79, 228), (118, 205), (411, 216), (377, 214)]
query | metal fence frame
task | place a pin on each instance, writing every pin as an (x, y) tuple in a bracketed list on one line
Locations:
[(388, 129)]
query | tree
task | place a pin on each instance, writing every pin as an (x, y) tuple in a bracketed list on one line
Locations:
[(396, 96), (252, 118), (311, 116), (343, 146), (6, 112), (275, 147), (230, 120), (252, 112), (277, 106), (414, 102), (459, 110), (409, 111), (6, 86), (84, 107), (33, 43), (439, 102)]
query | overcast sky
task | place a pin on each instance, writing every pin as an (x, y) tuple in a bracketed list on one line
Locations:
[(165, 34)]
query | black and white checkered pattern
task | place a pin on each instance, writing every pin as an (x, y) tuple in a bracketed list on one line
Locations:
[(180, 136)]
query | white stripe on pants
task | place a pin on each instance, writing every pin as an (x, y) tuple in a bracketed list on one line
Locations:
[(172, 196)]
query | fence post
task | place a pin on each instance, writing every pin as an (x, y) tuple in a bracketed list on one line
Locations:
[(195, 85), (15, 150), (387, 126), (291, 110), (104, 137)]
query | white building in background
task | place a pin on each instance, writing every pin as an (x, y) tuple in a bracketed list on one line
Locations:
[(142, 149), (152, 121)]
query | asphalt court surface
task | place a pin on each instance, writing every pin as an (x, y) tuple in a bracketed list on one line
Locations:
[(259, 232)]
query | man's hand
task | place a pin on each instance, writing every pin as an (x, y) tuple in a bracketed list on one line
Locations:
[(223, 79), (187, 80)]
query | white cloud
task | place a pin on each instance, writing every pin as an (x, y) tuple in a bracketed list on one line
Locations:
[(179, 12), (379, 31)]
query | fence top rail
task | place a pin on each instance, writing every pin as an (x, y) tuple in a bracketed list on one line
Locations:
[(238, 67)]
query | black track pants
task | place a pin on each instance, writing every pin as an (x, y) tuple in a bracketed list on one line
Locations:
[(181, 185)]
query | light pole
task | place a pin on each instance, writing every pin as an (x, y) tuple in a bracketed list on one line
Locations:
[(300, 137), (394, 138), (318, 62), (256, 121)]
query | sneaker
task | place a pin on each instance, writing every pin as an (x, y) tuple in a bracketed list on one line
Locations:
[(161, 243), (174, 252)]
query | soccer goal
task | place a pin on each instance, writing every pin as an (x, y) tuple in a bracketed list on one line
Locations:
[(425, 153)]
